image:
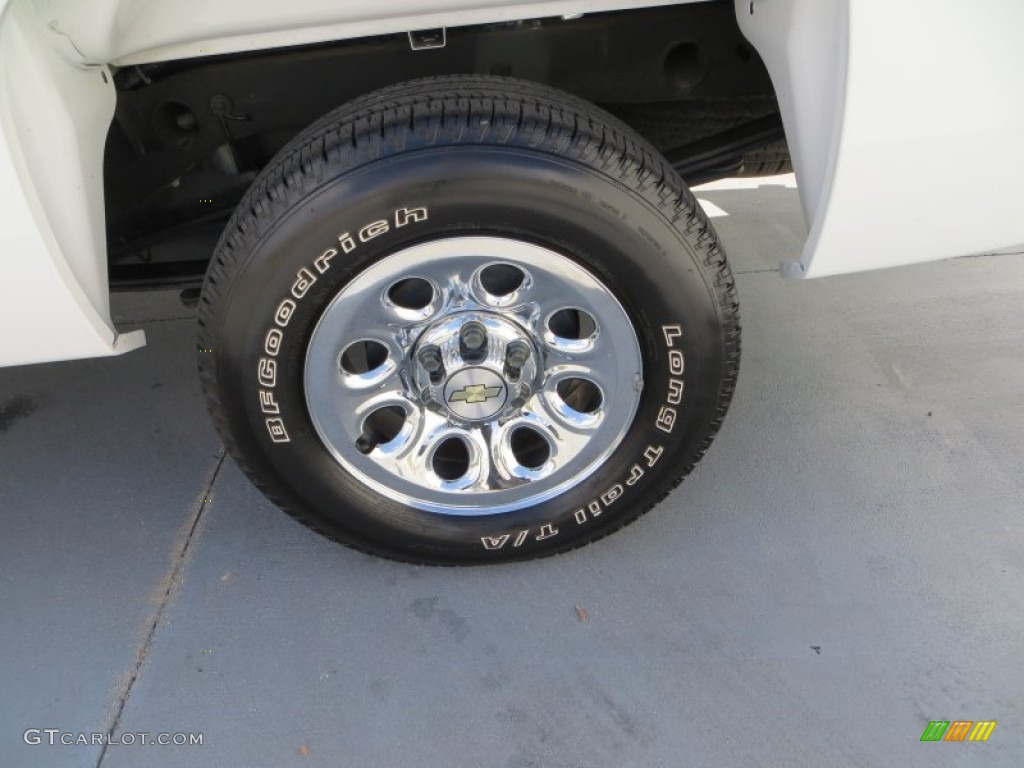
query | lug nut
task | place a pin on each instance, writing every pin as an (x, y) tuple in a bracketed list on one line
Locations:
[(430, 358), (428, 399), (473, 341), (516, 355)]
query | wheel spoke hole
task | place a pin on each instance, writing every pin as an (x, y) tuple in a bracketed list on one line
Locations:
[(364, 356), (571, 323), (501, 280), (413, 293), (451, 459), (529, 447), (581, 395), (380, 427)]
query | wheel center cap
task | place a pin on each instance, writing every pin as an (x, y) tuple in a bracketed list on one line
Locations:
[(475, 394)]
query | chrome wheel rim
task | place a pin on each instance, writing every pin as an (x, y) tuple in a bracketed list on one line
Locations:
[(473, 375)]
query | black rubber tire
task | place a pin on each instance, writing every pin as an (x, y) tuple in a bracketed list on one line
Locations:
[(485, 155), (769, 160)]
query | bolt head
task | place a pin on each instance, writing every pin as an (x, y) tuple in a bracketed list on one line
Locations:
[(517, 353), (474, 335), (430, 358)]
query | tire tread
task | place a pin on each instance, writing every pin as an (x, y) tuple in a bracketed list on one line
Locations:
[(446, 109)]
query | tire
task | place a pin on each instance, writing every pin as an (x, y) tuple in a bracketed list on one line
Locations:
[(400, 220), (769, 160)]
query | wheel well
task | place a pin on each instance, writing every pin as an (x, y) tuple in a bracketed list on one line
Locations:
[(189, 136)]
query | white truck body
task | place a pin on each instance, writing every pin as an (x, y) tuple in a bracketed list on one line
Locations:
[(891, 168)]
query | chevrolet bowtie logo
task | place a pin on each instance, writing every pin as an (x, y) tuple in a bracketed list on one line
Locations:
[(474, 393)]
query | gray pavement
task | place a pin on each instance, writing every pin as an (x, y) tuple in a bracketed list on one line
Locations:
[(844, 566)]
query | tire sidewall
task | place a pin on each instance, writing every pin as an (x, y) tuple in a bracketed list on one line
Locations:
[(289, 277)]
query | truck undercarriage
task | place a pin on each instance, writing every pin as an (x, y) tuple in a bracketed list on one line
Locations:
[(190, 136)]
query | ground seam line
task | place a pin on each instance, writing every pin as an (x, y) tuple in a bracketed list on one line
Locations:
[(173, 581)]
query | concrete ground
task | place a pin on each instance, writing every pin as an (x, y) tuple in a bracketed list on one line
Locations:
[(844, 566)]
